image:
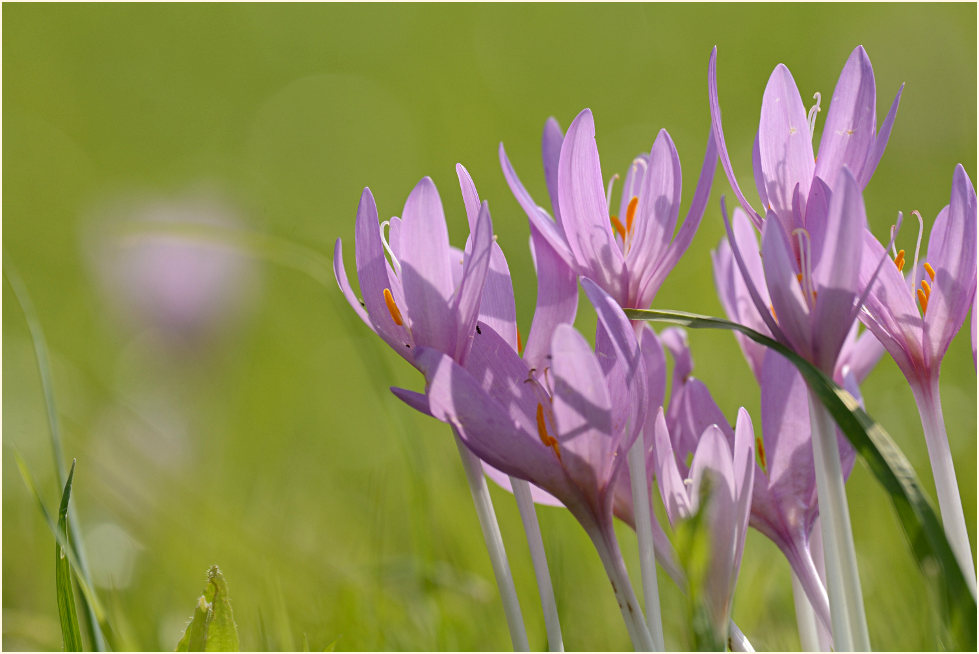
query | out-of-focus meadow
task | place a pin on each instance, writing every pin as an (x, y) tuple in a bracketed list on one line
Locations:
[(225, 409)]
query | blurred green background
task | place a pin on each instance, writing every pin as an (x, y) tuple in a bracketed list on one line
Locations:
[(254, 429)]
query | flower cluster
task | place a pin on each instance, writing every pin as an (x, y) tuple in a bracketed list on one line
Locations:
[(588, 422)]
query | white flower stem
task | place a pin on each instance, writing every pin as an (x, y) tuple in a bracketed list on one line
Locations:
[(608, 552), (494, 545), (647, 550), (521, 491), (929, 403), (805, 617), (842, 577)]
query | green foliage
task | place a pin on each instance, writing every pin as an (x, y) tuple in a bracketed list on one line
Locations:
[(66, 597), (890, 467), (212, 628)]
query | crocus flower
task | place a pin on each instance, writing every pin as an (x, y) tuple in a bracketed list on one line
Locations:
[(944, 287), (731, 473), (859, 353), (567, 432), (784, 166), (427, 294), (629, 254)]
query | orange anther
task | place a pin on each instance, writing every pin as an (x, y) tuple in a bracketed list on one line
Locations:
[(799, 277), (899, 260), (618, 226), (630, 213), (930, 271), (393, 308), (519, 342), (545, 438), (760, 448), (772, 309), (923, 299)]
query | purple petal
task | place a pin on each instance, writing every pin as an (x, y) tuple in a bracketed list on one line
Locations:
[(718, 133), (340, 273), (372, 273), (551, 141), (506, 377), (498, 308), (744, 478), (785, 151), (654, 360), (582, 410), (952, 253), (659, 206), (584, 212), (851, 123), (426, 272), (417, 401), (859, 354), (783, 287), (713, 458), (557, 298), (756, 169), (469, 195), (483, 425), (836, 271), (466, 303), (873, 158), (552, 231), (671, 486)]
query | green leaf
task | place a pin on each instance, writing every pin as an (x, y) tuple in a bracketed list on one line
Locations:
[(212, 628), (62, 572), (887, 463)]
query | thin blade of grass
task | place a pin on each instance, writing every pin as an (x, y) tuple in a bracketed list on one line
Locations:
[(70, 633), (887, 463), (92, 621)]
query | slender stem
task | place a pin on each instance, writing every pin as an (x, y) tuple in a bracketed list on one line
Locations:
[(494, 545), (737, 640), (608, 551), (521, 491), (843, 579), (805, 617), (929, 403), (647, 549)]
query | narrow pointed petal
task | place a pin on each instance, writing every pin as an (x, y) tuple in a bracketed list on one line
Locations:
[(756, 169), (584, 212), (783, 142), (551, 141), (836, 271), (744, 479), (718, 133), (851, 123), (671, 486), (372, 273), (426, 272), (552, 231), (952, 254), (557, 298), (457, 398), (659, 205), (466, 304), (655, 275), (783, 287), (340, 273), (417, 401), (582, 410), (498, 307), (880, 143), (470, 196)]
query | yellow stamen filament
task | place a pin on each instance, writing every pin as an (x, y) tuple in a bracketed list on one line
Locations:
[(930, 271), (760, 448), (618, 226), (899, 261), (545, 438), (393, 308), (630, 214)]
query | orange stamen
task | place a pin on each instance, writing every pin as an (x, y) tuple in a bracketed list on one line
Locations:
[(393, 308), (618, 226), (545, 438), (519, 342), (772, 309), (799, 277), (630, 213), (923, 299), (899, 261), (760, 448), (930, 271)]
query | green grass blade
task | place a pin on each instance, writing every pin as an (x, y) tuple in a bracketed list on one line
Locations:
[(66, 597), (96, 626), (887, 463), (213, 628)]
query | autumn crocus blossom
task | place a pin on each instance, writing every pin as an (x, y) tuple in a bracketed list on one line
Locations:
[(628, 253), (916, 318), (785, 169), (567, 432)]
